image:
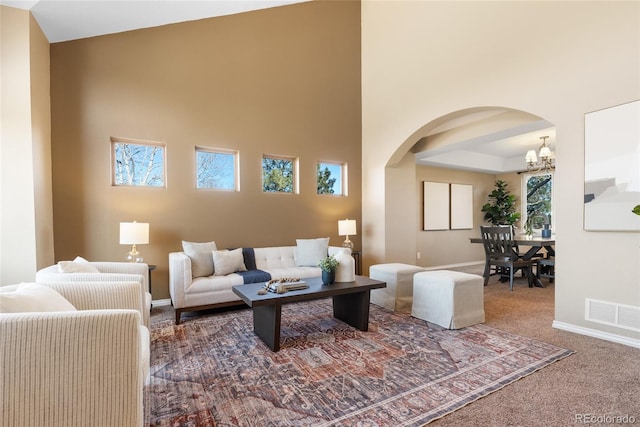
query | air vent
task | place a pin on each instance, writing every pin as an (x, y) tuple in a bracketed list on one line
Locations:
[(613, 314)]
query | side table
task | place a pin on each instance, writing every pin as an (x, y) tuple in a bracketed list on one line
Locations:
[(356, 256), (151, 268)]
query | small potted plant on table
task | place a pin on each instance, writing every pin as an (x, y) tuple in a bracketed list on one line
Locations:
[(328, 266)]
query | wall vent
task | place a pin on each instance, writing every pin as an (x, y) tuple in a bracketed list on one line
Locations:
[(613, 314)]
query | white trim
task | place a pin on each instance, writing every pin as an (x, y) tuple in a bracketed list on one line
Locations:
[(631, 342), (161, 302), (459, 265)]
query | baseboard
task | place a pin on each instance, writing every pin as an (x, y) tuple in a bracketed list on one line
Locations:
[(631, 342), (459, 265), (161, 302)]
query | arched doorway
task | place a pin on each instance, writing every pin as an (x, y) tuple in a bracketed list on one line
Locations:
[(474, 146)]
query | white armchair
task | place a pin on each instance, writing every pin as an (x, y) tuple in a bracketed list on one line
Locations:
[(76, 368), (108, 272)]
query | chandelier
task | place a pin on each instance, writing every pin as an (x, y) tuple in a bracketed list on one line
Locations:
[(547, 158)]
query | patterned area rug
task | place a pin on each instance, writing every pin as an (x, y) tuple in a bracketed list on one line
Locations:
[(213, 371)]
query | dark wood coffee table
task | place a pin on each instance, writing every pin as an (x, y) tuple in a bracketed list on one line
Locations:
[(350, 304)]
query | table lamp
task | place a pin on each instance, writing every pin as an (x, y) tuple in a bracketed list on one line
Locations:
[(347, 227), (134, 233)]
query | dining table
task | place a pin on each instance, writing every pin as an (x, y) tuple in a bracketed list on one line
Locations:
[(535, 244)]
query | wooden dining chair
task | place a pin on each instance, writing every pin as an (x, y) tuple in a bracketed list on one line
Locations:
[(546, 268), (499, 253)]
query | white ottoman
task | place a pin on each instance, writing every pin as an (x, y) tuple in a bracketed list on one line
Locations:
[(450, 299), (398, 294)]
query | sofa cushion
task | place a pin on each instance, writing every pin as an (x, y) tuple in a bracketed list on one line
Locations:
[(309, 252), (201, 258), (227, 262), (32, 297), (78, 265)]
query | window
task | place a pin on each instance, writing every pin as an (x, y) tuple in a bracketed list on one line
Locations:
[(279, 174), (537, 201), (331, 178), (216, 169), (137, 163)]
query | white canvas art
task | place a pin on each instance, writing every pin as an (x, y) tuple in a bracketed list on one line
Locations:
[(436, 206), (612, 168), (461, 206)]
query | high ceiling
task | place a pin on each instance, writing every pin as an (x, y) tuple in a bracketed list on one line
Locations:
[(482, 141), (63, 20)]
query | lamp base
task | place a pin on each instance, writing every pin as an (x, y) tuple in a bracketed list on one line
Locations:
[(134, 255), (347, 243)]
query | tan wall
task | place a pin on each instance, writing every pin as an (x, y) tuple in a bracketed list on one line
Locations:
[(447, 247), (41, 140), (424, 60), (279, 81), (26, 236)]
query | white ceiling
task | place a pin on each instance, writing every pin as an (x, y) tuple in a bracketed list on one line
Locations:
[(64, 20), (491, 149), (497, 152)]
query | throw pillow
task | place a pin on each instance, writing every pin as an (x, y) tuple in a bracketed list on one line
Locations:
[(76, 267), (227, 262), (32, 297), (309, 252), (201, 259)]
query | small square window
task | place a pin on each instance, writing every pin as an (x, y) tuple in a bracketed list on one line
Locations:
[(279, 174), (331, 178), (216, 169), (137, 163)]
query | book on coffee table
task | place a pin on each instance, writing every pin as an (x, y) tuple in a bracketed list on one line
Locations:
[(282, 287)]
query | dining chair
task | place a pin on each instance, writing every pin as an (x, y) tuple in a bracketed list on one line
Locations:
[(546, 268), (499, 253)]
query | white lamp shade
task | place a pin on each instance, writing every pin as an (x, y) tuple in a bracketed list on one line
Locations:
[(545, 152), (531, 156), (347, 227), (134, 233)]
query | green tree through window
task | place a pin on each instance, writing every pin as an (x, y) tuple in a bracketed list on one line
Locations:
[(278, 175), (539, 196), (329, 178)]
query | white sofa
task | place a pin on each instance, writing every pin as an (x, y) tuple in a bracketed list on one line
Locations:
[(189, 293), (74, 368), (107, 272)]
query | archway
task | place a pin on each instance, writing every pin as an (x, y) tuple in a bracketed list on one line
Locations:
[(430, 153)]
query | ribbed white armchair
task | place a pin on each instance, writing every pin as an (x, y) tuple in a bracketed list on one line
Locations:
[(76, 368), (108, 271)]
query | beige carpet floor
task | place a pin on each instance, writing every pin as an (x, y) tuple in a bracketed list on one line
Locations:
[(601, 379)]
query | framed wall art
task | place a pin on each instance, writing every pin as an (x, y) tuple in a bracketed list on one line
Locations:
[(461, 206), (436, 206), (612, 168)]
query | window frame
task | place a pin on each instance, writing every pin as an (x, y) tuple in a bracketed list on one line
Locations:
[(114, 141), (296, 172), (222, 151), (524, 202), (343, 177)]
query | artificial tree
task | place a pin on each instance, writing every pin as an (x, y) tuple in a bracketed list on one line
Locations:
[(501, 207)]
